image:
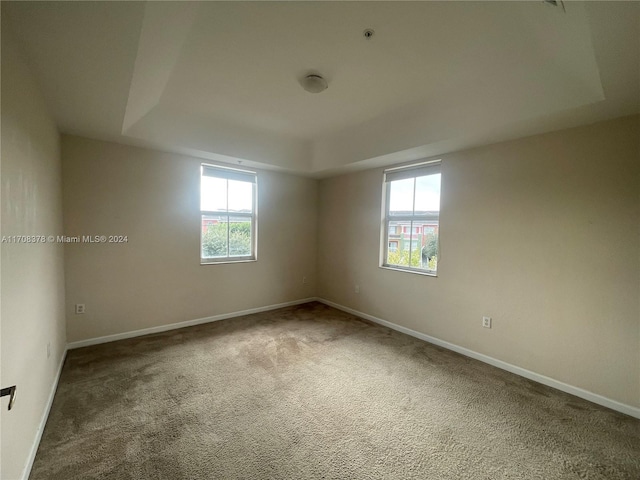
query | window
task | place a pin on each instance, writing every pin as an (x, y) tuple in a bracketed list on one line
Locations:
[(393, 246), (228, 215), (412, 206)]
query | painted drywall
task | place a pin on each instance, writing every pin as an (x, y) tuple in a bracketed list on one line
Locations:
[(32, 282), (156, 278), (541, 234)]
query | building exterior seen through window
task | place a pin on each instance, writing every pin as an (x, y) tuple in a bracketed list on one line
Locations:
[(411, 216), (228, 214)]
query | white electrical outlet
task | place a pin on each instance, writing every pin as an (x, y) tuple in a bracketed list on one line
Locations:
[(79, 308), (486, 322), (48, 349), (357, 289)]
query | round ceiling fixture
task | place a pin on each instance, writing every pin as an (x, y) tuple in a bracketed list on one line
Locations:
[(314, 83)]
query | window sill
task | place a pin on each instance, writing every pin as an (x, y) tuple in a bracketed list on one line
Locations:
[(410, 270), (209, 261)]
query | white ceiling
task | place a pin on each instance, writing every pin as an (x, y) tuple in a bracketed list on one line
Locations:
[(221, 79)]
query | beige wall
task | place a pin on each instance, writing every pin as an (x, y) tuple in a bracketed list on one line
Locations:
[(156, 278), (32, 282), (541, 234)]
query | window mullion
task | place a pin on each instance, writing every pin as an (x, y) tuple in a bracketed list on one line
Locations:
[(413, 211), (413, 214)]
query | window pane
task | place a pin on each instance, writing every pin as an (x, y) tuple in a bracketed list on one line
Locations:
[(415, 259), (428, 194), (239, 237), (213, 194), (214, 236), (401, 197), (430, 247), (240, 196), (399, 243)]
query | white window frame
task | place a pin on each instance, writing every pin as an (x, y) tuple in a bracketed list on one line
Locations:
[(415, 170), (231, 174)]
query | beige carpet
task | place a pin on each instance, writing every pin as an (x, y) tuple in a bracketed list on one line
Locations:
[(309, 392)]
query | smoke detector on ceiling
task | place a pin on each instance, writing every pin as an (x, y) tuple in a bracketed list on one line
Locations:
[(314, 83), (555, 4)]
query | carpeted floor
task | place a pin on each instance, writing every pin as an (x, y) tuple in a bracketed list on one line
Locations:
[(310, 392)]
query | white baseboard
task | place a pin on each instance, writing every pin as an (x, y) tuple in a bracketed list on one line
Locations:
[(536, 377), (43, 421), (187, 323)]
